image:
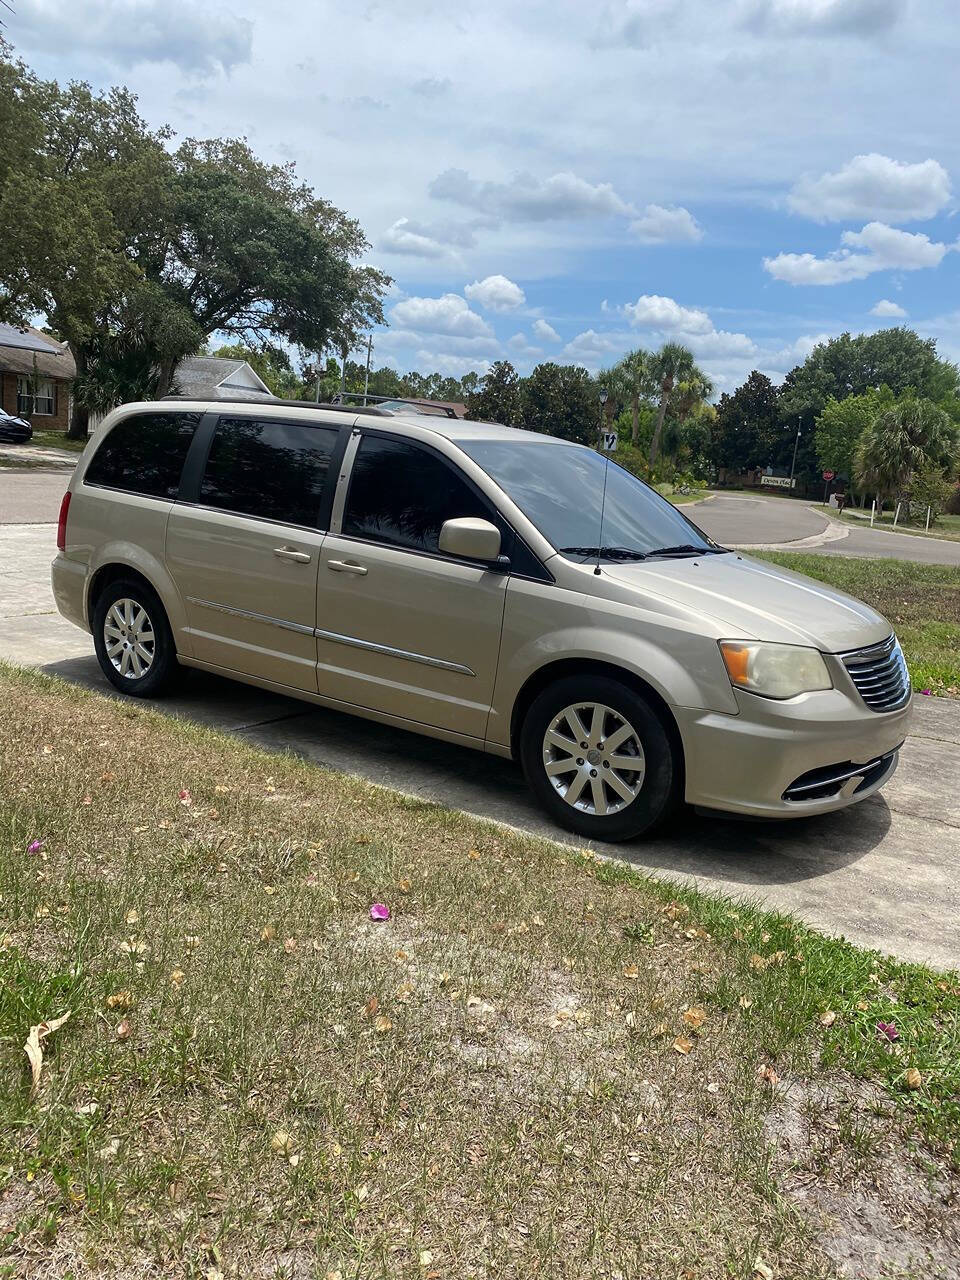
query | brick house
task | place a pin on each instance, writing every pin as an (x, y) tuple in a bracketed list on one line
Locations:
[(36, 374)]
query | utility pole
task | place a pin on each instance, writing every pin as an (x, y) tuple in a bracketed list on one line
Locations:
[(796, 445), (366, 376)]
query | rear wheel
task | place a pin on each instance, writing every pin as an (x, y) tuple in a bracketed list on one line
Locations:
[(599, 758), (133, 640)]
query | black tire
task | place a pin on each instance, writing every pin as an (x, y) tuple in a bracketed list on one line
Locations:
[(658, 787), (159, 676)]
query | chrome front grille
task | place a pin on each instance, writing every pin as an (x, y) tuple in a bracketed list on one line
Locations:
[(880, 675)]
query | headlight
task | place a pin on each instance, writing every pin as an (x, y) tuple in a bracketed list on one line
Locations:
[(774, 670)]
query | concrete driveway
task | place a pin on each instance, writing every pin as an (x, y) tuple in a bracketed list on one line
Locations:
[(886, 873)]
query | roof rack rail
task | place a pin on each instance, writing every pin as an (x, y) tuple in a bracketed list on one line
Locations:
[(439, 410), (290, 404)]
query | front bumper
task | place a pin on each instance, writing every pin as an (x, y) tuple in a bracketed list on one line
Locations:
[(762, 762)]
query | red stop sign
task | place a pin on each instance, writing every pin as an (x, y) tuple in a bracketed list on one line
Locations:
[(828, 475)]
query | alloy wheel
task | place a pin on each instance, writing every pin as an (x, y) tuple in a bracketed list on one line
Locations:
[(593, 758), (129, 638)]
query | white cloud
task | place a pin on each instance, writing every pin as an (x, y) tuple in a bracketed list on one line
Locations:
[(720, 344), (592, 349), (823, 17), (448, 314), (496, 293), (402, 238), (662, 225), (651, 311), (193, 37), (522, 345), (403, 339), (545, 332), (884, 248), (450, 363), (432, 86), (528, 199), (887, 308), (873, 186)]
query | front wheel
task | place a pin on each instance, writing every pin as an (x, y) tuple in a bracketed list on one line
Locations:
[(133, 640), (599, 758)]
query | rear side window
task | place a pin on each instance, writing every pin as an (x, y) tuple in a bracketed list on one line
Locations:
[(401, 494), (144, 454), (274, 470)]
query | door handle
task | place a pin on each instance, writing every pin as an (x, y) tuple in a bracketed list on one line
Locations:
[(291, 553), (346, 566)]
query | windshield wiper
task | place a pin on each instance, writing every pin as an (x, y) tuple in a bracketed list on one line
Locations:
[(605, 553), (686, 549)]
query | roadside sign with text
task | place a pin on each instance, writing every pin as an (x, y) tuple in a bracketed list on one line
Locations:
[(777, 482), (828, 475)]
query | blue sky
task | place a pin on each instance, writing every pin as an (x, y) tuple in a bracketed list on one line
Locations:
[(555, 180)]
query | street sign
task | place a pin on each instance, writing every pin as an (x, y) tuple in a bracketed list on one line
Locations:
[(777, 482), (828, 475), (608, 441)]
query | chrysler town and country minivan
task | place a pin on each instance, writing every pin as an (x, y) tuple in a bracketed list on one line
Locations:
[(492, 587)]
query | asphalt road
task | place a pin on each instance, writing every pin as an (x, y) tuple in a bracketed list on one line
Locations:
[(745, 520), (886, 873)]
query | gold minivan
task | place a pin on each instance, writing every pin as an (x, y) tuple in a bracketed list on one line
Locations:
[(496, 588)]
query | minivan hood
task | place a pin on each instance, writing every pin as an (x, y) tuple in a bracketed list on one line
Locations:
[(759, 601)]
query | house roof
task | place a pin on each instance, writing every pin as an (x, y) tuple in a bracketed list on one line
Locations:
[(20, 347), (216, 376)]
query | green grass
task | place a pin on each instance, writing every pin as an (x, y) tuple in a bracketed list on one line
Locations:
[(56, 440), (946, 526), (543, 1064), (921, 600)]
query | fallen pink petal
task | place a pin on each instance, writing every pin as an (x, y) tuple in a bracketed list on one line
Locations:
[(379, 911), (34, 846), (888, 1031), (927, 693)]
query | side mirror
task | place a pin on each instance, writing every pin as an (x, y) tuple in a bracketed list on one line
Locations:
[(470, 538)]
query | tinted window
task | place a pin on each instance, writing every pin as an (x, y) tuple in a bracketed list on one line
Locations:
[(276, 470), (563, 488), (402, 494), (144, 454)]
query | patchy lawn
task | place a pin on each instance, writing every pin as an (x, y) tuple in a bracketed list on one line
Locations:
[(57, 440), (541, 1065), (921, 600)]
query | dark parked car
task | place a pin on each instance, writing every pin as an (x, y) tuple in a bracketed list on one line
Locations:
[(14, 430)]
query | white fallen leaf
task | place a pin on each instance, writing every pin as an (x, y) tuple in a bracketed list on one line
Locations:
[(34, 1046)]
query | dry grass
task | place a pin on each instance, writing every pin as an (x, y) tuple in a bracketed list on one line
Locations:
[(541, 1065)]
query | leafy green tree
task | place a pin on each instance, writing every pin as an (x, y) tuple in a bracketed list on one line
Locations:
[(107, 233), (931, 488), (842, 423), (561, 400), (671, 367), (632, 381), (851, 366), (904, 440), (498, 398), (747, 427)]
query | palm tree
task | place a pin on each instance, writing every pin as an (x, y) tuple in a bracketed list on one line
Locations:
[(672, 366), (907, 437), (633, 375)]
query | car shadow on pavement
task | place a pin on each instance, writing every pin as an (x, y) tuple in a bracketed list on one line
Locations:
[(737, 852)]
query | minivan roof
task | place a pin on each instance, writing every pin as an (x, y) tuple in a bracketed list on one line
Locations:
[(452, 428)]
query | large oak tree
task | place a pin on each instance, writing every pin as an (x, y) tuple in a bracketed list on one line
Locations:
[(136, 253)]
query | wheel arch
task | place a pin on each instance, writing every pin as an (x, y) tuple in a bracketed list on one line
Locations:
[(544, 676), (115, 571)]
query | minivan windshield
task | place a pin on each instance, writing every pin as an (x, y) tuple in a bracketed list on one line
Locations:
[(560, 488)]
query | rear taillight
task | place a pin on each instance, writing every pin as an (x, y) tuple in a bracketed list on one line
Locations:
[(62, 522)]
